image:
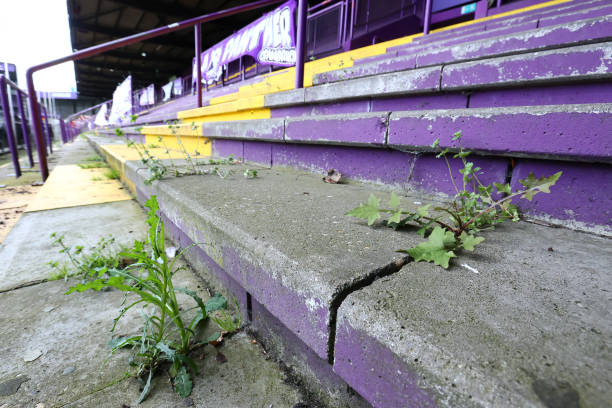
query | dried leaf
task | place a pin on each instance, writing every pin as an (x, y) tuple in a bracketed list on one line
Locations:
[(333, 177)]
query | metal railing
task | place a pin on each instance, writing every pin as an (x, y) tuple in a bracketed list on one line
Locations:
[(8, 122), (133, 39)]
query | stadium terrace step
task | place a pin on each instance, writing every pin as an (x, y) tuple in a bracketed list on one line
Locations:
[(584, 31), (588, 62), (555, 131), (497, 328), (493, 22), (500, 330)]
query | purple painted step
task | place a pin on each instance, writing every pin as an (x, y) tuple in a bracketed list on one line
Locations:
[(367, 129), (583, 194), (592, 62), (257, 129), (527, 16), (599, 29), (557, 131), (575, 16), (521, 41)]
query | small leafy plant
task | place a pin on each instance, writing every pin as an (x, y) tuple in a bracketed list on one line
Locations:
[(474, 208), (167, 335), (85, 263), (158, 169), (93, 162), (112, 174)]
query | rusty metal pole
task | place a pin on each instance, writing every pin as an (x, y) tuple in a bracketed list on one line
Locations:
[(8, 125), (24, 128), (198, 56), (300, 46)]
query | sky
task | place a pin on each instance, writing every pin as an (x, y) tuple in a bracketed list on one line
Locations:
[(33, 32)]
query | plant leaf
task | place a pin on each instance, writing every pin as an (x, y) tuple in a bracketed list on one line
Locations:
[(503, 188), (394, 202), (369, 211), (536, 185), (182, 383), (436, 248), (164, 348), (216, 302), (396, 218), (468, 241), (147, 387)]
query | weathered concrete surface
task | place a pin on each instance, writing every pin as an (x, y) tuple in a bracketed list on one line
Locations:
[(405, 82), (255, 129), (525, 321), (583, 189), (271, 233), (546, 37), (557, 131), (83, 225), (75, 369), (368, 129), (589, 62)]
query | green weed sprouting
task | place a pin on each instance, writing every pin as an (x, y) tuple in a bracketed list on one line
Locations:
[(85, 263), (456, 226), (167, 335)]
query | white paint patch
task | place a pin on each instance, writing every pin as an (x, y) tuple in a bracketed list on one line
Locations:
[(469, 268)]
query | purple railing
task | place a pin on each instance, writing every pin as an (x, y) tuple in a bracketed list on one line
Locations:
[(8, 122), (133, 39)]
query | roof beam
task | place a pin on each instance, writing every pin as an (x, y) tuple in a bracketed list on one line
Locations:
[(176, 10), (133, 68), (156, 58), (116, 33)]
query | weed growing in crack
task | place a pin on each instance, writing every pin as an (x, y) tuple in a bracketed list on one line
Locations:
[(168, 335), (158, 169), (474, 208), (86, 263)]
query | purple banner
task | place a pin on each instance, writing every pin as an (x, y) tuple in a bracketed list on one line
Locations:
[(269, 39)]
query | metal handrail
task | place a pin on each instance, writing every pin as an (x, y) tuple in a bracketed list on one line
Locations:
[(136, 38), (8, 122)]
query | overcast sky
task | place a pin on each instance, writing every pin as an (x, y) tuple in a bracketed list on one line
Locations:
[(33, 32)]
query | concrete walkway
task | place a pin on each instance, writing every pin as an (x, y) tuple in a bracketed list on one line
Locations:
[(54, 350)]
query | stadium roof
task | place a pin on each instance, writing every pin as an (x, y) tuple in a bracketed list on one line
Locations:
[(154, 61)]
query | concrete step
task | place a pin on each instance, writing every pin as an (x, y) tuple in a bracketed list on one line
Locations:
[(421, 336), (585, 31), (514, 19)]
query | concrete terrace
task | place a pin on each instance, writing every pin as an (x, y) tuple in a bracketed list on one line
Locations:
[(336, 316)]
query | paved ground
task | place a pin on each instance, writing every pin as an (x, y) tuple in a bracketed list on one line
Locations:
[(54, 350)]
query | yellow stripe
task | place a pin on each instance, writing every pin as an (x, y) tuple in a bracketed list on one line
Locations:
[(72, 186)]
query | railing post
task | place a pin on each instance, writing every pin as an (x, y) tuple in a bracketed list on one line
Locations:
[(427, 20), (198, 52), (63, 131), (8, 125), (37, 126), (300, 46), (24, 129), (46, 129)]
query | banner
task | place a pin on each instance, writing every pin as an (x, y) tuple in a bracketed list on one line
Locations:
[(100, 119), (269, 39), (167, 89), (177, 88), (122, 103), (147, 97)]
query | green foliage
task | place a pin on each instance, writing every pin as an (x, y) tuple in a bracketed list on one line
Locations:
[(158, 169), (250, 173), (112, 174), (85, 263), (474, 208), (167, 335)]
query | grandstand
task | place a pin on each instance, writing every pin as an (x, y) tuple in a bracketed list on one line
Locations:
[(526, 82)]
